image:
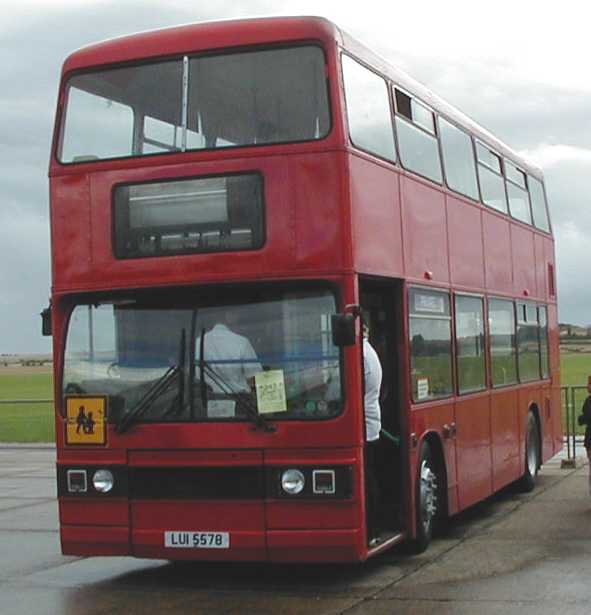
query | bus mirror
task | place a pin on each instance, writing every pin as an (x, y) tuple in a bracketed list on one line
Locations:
[(46, 321), (343, 329)]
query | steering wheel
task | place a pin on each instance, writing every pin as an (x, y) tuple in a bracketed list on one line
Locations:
[(113, 370)]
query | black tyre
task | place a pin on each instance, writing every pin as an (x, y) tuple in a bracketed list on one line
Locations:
[(427, 499), (532, 455)]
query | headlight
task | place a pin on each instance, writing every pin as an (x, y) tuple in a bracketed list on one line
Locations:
[(292, 482), (103, 481)]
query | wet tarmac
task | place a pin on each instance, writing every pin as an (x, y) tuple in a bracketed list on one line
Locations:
[(511, 554)]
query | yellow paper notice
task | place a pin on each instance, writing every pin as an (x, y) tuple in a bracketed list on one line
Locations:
[(86, 420), (270, 388)]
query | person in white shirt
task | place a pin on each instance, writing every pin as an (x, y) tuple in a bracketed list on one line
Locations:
[(373, 382), (229, 355), (373, 423)]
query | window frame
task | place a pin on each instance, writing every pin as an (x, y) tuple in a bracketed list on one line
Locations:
[(188, 252), (485, 343), (434, 135), (511, 301), (450, 320), (387, 83), (544, 375), (499, 173), (527, 305), (478, 198), (524, 188), (529, 176), (184, 59), (147, 295)]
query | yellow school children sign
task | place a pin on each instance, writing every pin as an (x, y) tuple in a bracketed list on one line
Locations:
[(86, 420)]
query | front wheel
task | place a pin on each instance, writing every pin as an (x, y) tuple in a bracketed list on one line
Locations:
[(532, 455), (427, 499)]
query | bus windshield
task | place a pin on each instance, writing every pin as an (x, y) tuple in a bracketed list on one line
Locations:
[(253, 352), (193, 103)]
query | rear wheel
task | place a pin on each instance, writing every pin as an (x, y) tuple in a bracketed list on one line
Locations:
[(532, 454), (427, 499)]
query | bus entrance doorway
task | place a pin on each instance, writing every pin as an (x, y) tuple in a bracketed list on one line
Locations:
[(381, 305)]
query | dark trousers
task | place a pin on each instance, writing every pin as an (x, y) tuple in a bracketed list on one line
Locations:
[(372, 491)]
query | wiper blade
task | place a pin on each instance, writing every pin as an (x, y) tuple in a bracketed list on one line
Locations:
[(150, 396), (243, 402), (157, 389)]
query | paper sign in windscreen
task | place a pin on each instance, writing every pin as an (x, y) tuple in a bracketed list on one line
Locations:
[(422, 388), (270, 391)]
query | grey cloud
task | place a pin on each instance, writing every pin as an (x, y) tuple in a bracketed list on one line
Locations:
[(36, 42)]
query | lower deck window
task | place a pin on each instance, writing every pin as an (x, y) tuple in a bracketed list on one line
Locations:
[(470, 344), (502, 342), (528, 345), (430, 342)]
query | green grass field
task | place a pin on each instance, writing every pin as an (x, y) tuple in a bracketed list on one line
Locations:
[(26, 422), (574, 368), (35, 422)]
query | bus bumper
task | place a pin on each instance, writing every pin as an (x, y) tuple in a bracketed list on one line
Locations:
[(276, 546)]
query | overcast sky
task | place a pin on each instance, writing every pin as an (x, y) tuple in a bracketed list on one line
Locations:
[(519, 69)]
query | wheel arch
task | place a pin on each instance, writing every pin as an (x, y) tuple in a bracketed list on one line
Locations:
[(433, 439), (534, 409)]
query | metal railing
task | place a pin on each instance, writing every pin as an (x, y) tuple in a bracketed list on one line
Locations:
[(573, 397), (572, 400)]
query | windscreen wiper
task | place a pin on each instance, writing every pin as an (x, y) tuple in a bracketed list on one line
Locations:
[(151, 395), (160, 386), (242, 401)]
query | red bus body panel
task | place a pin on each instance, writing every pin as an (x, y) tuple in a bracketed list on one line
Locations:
[(331, 213)]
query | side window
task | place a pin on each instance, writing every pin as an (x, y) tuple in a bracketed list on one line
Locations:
[(417, 141), (517, 192), (490, 173), (528, 346), (538, 204), (430, 343), (368, 110), (96, 127), (543, 320), (470, 344), (458, 159), (160, 136), (501, 318)]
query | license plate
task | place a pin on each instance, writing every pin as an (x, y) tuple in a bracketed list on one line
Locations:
[(197, 540)]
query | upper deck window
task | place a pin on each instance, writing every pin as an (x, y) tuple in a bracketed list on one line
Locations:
[(517, 192), (538, 203), (458, 159), (490, 173), (368, 110), (206, 102), (415, 127)]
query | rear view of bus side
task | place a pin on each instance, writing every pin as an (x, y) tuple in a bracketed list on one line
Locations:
[(226, 200)]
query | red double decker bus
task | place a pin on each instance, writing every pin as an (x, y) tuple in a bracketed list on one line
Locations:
[(226, 200)]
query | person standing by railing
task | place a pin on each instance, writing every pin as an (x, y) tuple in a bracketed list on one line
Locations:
[(585, 419)]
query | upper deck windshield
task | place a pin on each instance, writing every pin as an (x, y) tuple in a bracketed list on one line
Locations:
[(194, 103), (214, 352)]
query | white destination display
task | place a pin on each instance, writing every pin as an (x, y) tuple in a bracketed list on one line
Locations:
[(197, 540)]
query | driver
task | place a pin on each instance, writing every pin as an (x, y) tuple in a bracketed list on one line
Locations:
[(229, 355)]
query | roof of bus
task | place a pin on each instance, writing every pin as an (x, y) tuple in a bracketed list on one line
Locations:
[(203, 36)]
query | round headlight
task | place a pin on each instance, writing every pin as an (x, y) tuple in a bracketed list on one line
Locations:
[(103, 481), (292, 482)]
